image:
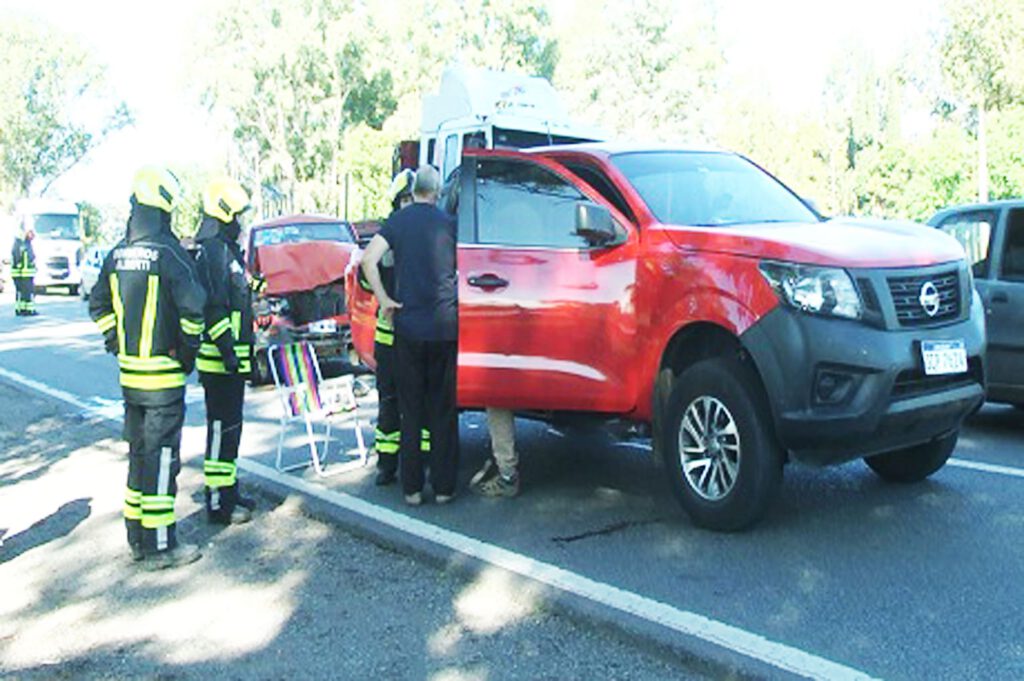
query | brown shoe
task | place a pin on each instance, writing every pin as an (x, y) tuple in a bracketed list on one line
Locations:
[(498, 486), (182, 554)]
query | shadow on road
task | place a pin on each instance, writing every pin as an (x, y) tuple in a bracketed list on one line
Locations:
[(60, 523)]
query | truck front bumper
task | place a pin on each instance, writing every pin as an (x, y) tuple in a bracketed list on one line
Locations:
[(841, 390)]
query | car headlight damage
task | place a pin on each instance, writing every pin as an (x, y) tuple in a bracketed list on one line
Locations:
[(818, 290)]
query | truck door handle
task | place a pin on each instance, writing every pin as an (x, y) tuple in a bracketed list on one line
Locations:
[(1000, 297), (487, 281)]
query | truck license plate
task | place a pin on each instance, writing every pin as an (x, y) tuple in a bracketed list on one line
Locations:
[(324, 326), (944, 357)]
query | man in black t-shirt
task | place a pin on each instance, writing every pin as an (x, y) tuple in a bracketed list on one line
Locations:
[(425, 311)]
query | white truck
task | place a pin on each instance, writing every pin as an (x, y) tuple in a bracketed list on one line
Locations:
[(58, 241), (491, 110)]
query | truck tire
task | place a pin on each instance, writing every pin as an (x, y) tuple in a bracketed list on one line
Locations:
[(913, 464), (720, 451)]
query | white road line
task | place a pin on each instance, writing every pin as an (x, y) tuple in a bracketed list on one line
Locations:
[(987, 467), (732, 638), (754, 646)]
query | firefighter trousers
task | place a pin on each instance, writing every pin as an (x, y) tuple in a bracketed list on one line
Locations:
[(24, 292), (426, 400), (387, 432), (225, 395), (154, 440)]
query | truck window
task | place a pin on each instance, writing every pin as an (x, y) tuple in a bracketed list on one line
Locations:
[(451, 155), (974, 232), (600, 182), (521, 204), (1013, 248), (431, 145)]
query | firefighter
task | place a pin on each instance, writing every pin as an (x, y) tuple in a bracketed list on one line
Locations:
[(149, 305), (23, 272), (225, 355), (387, 433)]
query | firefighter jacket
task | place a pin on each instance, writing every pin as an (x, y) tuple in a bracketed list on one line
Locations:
[(149, 305), (228, 312), (23, 259)]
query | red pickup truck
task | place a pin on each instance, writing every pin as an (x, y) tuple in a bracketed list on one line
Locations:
[(690, 290)]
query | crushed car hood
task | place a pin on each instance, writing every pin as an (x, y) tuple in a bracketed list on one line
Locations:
[(288, 268)]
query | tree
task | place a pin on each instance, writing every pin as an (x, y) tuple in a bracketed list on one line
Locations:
[(645, 69), (47, 84), (291, 79), (983, 61)]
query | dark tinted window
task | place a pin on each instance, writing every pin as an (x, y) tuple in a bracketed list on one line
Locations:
[(709, 189), (521, 139), (974, 231), (520, 204), (1013, 249), (56, 226)]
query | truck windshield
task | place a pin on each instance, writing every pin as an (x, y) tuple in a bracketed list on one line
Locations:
[(709, 189), (521, 139), (55, 226), (296, 234)]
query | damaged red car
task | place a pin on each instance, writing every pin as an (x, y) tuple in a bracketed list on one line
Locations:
[(303, 259)]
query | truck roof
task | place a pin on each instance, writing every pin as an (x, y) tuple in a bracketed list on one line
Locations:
[(45, 206), (611, 148), (502, 99)]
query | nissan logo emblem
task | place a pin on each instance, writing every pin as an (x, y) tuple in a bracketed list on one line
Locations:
[(929, 299)]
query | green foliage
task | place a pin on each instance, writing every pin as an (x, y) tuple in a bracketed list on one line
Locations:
[(46, 82)]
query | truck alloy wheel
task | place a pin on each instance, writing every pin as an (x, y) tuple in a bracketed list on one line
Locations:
[(709, 448), (724, 463), (913, 464)]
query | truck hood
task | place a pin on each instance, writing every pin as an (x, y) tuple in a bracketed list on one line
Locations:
[(841, 242), (289, 268)]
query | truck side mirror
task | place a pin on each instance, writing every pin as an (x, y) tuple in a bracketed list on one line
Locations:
[(594, 223)]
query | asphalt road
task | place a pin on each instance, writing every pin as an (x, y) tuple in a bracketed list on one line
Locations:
[(897, 582)]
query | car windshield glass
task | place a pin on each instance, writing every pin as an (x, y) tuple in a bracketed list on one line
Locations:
[(295, 234), (709, 189), (54, 226)]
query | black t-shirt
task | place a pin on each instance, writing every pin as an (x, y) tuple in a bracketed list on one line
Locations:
[(423, 240)]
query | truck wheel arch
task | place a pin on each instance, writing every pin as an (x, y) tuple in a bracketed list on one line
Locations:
[(688, 345)]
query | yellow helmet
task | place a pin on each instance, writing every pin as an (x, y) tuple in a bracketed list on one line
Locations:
[(225, 199), (156, 186), (401, 186)]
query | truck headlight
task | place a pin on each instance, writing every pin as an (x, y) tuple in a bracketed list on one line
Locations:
[(819, 290)]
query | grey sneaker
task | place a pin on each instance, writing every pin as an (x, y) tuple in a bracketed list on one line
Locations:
[(182, 554), (488, 470), (414, 499), (498, 486), (443, 498)]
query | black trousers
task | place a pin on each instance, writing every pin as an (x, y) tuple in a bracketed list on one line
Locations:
[(386, 434), (24, 292), (154, 442), (426, 399), (225, 396)]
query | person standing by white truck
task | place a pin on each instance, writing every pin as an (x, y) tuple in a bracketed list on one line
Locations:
[(58, 241)]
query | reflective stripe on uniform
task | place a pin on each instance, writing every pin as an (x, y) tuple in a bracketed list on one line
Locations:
[(132, 504), (386, 443), (218, 329), (190, 327), (149, 316), (115, 297), (157, 509), (158, 364), (424, 440), (106, 322), (209, 359), (219, 473), (152, 381)]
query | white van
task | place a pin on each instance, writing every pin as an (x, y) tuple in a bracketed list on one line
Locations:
[(58, 241)]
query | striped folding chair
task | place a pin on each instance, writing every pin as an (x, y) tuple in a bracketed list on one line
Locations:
[(306, 397)]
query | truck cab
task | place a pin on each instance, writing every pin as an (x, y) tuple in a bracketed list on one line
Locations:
[(484, 109), (58, 241)]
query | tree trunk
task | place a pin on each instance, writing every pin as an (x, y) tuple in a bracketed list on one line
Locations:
[(982, 156)]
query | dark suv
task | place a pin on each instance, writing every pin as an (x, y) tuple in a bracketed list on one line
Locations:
[(992, 234)]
